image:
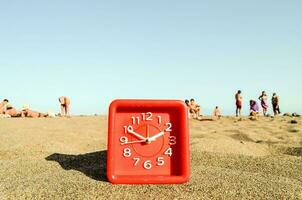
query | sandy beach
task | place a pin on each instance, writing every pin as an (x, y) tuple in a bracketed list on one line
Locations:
[(64, 158)]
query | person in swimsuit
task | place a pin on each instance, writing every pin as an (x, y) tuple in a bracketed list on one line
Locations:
[(194, 109), (238, 98), (254, 108), (7, 109), (1, 107), (187, 102), (217, 112), (65, 106), (26, 112), (275, 103), (263, 99)]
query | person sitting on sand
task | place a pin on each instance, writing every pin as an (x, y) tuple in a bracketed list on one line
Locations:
[(7, 109), (194, 109), (217, 112), (263, 99), (275, 103), (65, 106), (238, 98), (26, 112), (254, 108)]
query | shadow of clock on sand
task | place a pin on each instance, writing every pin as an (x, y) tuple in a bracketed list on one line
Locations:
[(92, 164)]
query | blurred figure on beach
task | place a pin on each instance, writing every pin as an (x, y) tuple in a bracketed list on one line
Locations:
[(187, 102), (239, 100), (1, 107), (264, 105), (65, 106), (275, 103), (254, 108), (195, 109), (217, 112), (7, 109), (26, 112)]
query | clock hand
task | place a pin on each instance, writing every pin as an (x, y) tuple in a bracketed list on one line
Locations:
[(130, 130), (153, 138), (133, 142)]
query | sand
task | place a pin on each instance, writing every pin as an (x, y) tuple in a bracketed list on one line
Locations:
[(64, 158)]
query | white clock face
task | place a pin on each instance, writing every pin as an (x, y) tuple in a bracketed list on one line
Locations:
[(147, 142)]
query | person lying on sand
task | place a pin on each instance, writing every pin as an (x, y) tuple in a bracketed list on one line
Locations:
[(26, 112), (1, 107), (263, 99), (238, 98), (194, 109), (217, 112), (65, 106), (275, 103), (7, 109), (254, 108)]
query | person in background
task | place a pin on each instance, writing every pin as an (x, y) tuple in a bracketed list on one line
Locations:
[(275, 103), (239, 101), (7, 109), (26, 112), (187, 102), (1, 107), (264, 105), (194, 109), (254, 108), (217, 112), (65, 106)]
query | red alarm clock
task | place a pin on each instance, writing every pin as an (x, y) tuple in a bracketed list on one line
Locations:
[(148, 142)]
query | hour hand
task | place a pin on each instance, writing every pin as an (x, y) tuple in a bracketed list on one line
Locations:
[(153, 138), (131, 131)]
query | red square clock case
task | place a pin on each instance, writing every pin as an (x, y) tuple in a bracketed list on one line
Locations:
[(148, 142)]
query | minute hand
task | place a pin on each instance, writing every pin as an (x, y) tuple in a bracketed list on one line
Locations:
[(137, 135), (153, 138)]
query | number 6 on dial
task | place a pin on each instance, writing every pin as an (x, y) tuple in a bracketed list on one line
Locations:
[(148, 165)]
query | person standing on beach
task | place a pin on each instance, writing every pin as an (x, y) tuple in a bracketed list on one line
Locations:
[(275, 103), (263, 99), (65, 106), (238, 98)]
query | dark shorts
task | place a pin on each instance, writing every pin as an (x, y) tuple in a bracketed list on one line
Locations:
[(238, 104)]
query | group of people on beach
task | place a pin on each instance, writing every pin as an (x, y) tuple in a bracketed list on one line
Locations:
[(7, 110), (194, 109), (254, 107)]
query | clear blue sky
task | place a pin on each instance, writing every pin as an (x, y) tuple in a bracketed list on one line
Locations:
[(97, 51)]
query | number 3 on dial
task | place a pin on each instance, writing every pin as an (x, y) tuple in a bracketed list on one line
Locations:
[(172, 140)]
